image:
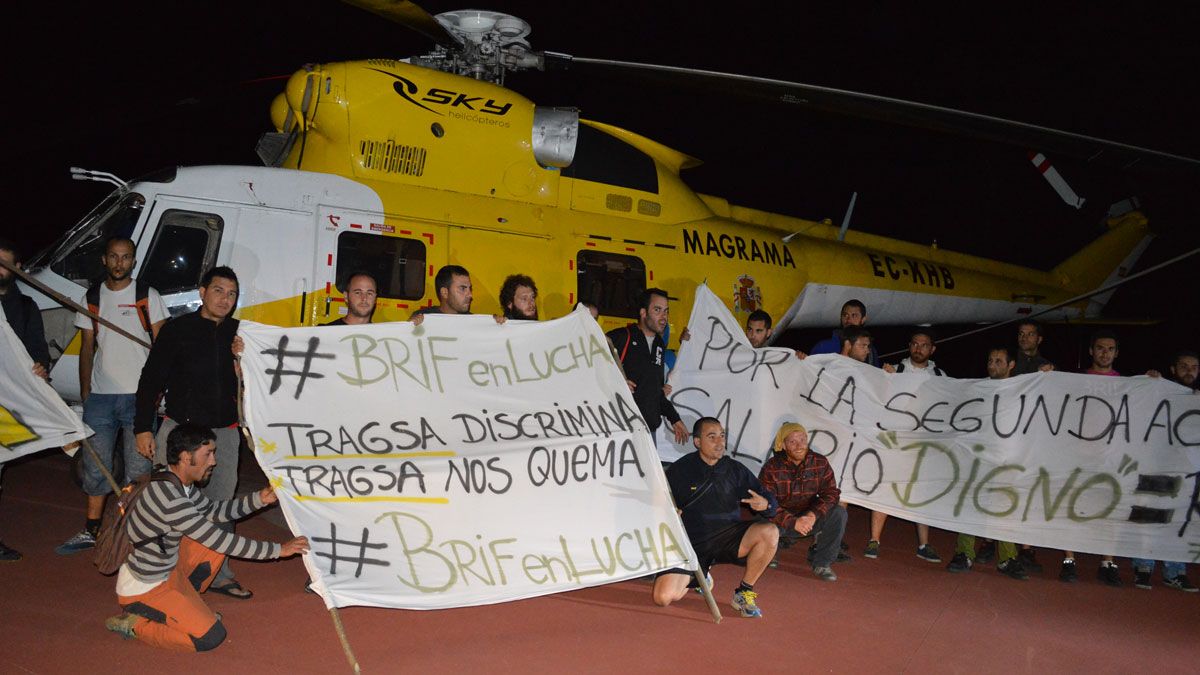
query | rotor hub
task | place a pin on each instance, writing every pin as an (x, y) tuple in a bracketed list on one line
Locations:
[(492, 44)]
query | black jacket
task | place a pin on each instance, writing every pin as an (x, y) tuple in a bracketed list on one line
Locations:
[(25, 318), (192, 362), (711, 496), (645, 368)]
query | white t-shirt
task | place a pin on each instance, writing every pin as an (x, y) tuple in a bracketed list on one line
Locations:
[(930, 369), (119, 360)]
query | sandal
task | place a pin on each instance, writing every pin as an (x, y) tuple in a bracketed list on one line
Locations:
[(233, 589)]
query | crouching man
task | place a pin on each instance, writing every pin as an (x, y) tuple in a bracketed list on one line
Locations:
[(710, 491), (808, 496), (178, 549)]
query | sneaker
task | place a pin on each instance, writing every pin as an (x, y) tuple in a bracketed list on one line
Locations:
[(872, 551), (707, 579), (122, 624), (1012, 568), (82, 541), (1180, 582), (1141, 579), (9, 554), (927, 553), (987, 553), (824, 573), (774, 564), (744, 602), (842, 556), (1068, 573), (960, 563), (1028, 561), (1109, 575)]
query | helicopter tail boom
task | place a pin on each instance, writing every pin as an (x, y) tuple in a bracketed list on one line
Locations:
[(1107, 259)]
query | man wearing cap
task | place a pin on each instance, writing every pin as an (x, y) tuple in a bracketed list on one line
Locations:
[(808, 496)]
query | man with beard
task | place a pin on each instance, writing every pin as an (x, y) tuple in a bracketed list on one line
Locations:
[(518, 298), (361, 291), (854, 315), (192, 362), (640, 350), (1029, 359), (453, 286), (920, 348), (178, 548), (109, 366), (1000, 365), (808, 496), (1183, 369)]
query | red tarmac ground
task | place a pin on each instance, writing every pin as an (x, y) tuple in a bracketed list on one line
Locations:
[(894, 614)]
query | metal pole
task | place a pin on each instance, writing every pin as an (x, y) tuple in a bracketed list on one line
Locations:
[(71, 304)]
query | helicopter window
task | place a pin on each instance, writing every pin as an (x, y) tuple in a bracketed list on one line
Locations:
[(398, 264), (606, 159), (80, 255), (613, 283), (183, 250)]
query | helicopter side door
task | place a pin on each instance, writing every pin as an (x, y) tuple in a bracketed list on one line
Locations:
[(180, 242)]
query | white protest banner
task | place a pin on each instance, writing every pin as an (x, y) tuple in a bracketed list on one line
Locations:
[(459, 462), (32, 415), (1078, 462)]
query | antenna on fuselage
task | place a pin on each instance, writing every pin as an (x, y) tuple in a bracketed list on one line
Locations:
[(98, 176), (846, 219)]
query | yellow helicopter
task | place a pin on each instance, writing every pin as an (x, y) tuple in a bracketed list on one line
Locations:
[(401, 166)]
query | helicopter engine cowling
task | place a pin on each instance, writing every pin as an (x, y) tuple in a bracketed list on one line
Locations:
[(388, 120)]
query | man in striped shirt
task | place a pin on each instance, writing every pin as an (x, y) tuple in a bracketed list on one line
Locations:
[(178, 549)]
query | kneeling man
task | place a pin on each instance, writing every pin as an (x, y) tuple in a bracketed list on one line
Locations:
[(808, 496), (178, 549), (710, 490)]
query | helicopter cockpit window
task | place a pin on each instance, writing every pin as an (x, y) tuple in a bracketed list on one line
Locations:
[(78, 256), (183, 250), (398, 264), (606, 159), (614, 283)]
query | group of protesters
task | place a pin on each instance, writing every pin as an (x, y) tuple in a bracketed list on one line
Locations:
[(795, 495), (190, 454)]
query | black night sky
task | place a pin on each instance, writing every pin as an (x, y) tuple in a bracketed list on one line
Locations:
[(134, 86)]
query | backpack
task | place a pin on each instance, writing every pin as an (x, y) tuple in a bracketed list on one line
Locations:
[(142, 295), (113, 546), (936, 370)]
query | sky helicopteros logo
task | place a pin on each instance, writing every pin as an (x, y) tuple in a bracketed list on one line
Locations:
[(409, 91)]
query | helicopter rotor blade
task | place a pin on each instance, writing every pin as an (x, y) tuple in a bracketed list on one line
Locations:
[(897, 111), (411, 15)]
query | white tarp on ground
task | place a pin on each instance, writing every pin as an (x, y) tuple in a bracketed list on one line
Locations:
[(1078, 462), (460, 462), (32, 415)]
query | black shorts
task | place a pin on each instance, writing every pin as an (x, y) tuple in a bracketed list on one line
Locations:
[(719, 548)]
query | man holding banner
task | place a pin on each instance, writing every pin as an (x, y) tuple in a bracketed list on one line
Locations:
[(32, 416), (1000, 365), (192, 362), (159, 585), (709, 490), (21, 314), (641, 349)]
